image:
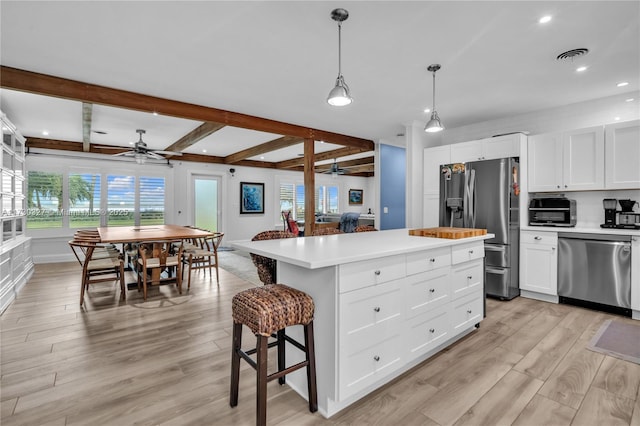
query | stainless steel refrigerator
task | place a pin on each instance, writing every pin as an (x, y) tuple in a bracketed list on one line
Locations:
[(485, 194)]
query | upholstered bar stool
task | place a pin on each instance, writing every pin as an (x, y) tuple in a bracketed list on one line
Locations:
[(267, 311)]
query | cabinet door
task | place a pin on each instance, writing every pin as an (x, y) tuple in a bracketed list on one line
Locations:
[(501, 147), (539, 268), (583, 159), (433, 158), (545, 162), (430, 210), (635, 275), (466, 151), (622, 151)]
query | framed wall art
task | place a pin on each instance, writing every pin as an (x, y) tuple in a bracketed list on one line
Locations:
[(355, 197), (251, 198)]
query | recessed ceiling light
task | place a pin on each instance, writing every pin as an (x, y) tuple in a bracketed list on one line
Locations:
[(262, 157), (616, 118), (544, 19), (4, 128), (45, 133), (204, 150), (629, 100), (155, 113), (622, 84), (580, 69), (131, 143), (427, 110)]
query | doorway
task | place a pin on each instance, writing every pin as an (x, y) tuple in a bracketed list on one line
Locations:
[(206, 201)]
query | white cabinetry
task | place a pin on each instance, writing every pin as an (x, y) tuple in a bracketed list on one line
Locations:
[(622, 155), (396, 309), (539, 263), (486, 149), (567, 161)]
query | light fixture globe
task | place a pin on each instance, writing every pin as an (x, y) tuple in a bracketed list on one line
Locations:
[(434, 125), (340, 95)]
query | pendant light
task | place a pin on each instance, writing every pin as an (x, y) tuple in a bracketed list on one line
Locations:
[(340, 94), (434, 125)]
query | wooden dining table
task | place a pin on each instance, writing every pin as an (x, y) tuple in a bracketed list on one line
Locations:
[(148, 234)]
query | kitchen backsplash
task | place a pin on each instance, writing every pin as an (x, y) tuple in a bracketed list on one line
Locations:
[(589, 209)]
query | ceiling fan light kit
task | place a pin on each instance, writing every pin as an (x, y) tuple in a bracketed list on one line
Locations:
[(141, 153), (434, 124), (340, 95)]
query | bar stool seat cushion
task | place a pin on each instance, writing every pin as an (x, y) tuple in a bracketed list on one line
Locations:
[(272, 307)]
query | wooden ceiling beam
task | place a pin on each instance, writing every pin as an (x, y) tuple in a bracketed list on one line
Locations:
[(27, 81), (349, 163), (327, 155), (197, 134), (87, 113), (283, 142)]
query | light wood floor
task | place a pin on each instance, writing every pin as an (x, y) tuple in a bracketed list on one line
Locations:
[(166, 361)]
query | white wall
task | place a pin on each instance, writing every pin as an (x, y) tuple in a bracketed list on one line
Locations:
[(51, 245), (574, 116)]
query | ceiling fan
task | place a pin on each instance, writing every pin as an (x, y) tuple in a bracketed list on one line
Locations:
[(334, 170), (140, 151)]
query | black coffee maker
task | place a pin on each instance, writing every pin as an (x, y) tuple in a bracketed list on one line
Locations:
[(610, 211)]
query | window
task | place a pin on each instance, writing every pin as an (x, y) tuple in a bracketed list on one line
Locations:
[(292, 198), (120, 200), (151, 200), (84, 200), (44, 198)]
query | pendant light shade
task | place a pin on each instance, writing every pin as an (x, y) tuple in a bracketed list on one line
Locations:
[(340, 95), (434, 124)]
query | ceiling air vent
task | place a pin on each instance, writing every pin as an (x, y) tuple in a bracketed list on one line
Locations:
[(573, 53)]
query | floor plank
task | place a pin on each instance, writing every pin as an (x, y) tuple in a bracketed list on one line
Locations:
[(167, 361)]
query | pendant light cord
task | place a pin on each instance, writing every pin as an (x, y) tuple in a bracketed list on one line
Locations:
[(339, 49), (434, 91)]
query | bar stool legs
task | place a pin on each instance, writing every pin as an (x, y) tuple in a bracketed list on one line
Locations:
[(260, 365)]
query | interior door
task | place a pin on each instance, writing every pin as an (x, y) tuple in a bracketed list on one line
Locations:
[(206, 202)]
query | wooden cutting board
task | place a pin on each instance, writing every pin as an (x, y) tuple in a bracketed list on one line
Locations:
[(449, 233)]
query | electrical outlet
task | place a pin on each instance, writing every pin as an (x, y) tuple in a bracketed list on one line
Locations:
[(385, 209)]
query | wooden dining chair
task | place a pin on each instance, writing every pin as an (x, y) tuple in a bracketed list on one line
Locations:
[(159, 262), (100, 263), (203, 254)]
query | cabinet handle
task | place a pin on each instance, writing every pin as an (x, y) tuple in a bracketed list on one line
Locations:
[(432, 290), (469, 277), (565, 186), (470, 251), (558, 186), (377, 272), (376, 358), (432, 330), (537, 238), (377, 309), (432, 260), (553, 248), (468, 311)]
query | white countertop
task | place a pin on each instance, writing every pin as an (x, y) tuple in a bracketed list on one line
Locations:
[(583, 229), (331, 250)]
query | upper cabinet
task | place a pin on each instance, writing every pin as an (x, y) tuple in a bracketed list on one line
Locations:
[(567, 161), (622, 154), (486, 149)]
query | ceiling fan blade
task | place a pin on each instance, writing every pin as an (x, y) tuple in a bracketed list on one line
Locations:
[(110, 147), (152, 154), (126, 154), (167, 152)]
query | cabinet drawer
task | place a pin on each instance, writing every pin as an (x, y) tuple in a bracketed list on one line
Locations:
[(467, 252), (467, 311), (427, 291), (360, 369), (428, 330), (428, 260), (467, 279), (357, 275), (370, 315), (533, 237)]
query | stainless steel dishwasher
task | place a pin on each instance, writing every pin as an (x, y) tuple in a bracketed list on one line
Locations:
[(594, 270)]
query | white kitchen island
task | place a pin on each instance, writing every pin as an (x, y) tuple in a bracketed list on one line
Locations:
[(385, 301)]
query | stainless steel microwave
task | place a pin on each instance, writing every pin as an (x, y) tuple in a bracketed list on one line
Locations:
[(552, 211)]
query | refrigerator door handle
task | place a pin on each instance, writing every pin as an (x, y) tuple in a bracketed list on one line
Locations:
[(472, 199), (497, 271)]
